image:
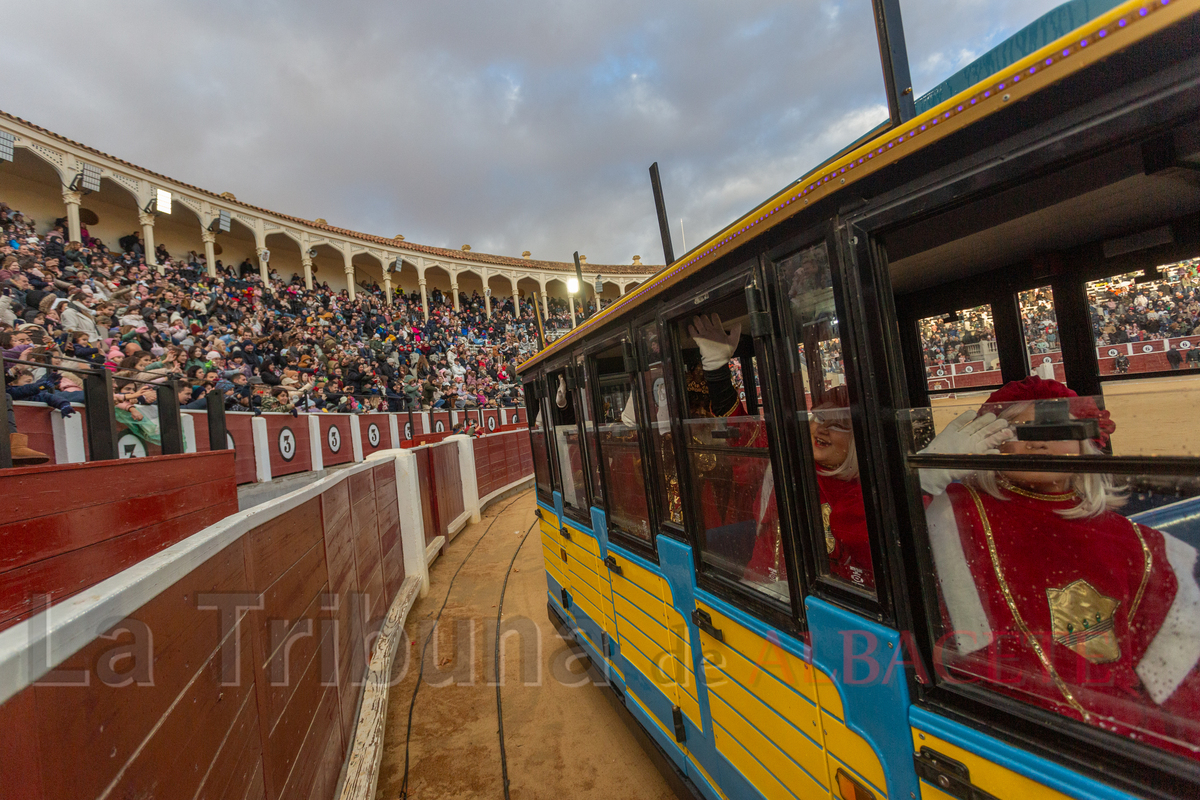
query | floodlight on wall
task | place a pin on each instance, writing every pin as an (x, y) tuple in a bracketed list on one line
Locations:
[(312, 253), (91, 178), (7, 143), (162, 199), (572, 286)]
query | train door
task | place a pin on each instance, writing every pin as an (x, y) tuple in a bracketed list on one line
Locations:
[(543, 470), (758, 691), (645, 649)]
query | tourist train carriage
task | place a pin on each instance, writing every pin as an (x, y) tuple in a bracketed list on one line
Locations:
[(778, 635)]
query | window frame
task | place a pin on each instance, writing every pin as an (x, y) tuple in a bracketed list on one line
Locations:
[(565, 363), (788, 617), (665, 525), (538, 379), (648, 550), (806, 500)]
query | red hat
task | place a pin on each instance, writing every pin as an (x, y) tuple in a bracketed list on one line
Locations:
[(1035, 388)]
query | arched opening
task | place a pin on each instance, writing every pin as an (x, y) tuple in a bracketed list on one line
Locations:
[(368, 272), (470, 283), (558, 317), (238, 247), (178, 232), (406, 280), (528, 288), (328, 266), (285, 256), (501, 287), (32, 185), (437, 288), (116, 212)]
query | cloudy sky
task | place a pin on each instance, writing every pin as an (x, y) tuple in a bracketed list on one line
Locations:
[(508, 126)]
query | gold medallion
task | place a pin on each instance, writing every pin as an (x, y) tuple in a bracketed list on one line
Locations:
[(1082, 620)]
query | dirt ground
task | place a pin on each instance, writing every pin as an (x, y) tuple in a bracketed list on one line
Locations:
[(1154, 416), (562, 741)]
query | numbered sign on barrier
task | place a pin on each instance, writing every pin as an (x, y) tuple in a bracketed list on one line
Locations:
[(335, 439), (376, 432), (441, 422), (287, 440), (491, 419)]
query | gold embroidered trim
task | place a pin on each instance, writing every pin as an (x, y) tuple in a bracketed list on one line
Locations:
[(1148, 559), (1012, 607), (1051, 498)]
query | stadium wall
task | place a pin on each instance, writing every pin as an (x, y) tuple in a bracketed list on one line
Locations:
[(234, 663)]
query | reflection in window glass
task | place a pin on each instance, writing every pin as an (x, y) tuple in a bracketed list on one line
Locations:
[(537, 433), (589, 433), (654, 388), (1040, 327), (566, 445), (1074, 592), (728, 457), (1147, 322), (620, 446), (960, 350), (819, 383)]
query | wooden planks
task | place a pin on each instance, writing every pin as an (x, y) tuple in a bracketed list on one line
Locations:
[(67, 528)]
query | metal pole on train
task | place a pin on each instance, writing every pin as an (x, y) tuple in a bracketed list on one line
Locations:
[(664, 225), (893, 56), (579, 277)]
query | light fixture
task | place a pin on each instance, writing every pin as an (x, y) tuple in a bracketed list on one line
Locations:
[(163, 201), (220, 223), (312, 253), (572, 286)]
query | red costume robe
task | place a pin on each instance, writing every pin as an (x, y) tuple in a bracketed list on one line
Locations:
[(1097, 619)]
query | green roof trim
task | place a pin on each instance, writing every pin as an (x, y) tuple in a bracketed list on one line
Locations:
[(1050, 27)]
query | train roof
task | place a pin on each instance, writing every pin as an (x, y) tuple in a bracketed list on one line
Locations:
[(1062, 42)]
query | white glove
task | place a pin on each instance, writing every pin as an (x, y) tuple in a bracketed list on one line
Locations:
[(965, 435), (716, 346), (560, 398), (628, 418)]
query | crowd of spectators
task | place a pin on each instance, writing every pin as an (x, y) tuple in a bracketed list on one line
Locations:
[(272, 347), (1124, 310), (947, 340)]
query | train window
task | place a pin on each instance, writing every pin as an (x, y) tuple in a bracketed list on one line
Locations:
[(1147, 321), (589, 435), (534, 397), (654, 389), (568, 449), (960, 350), (728, 457), (1070, 589), (1040, 327), (620, 449), (823, 403)]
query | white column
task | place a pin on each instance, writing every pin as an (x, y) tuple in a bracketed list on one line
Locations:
[(387, 286), (424, 299), (545, 307), (355, 437), (262, 450), (394, 429), (73, 200), (348, 268), (68, 438), (516, 300), (314, 442), (262, 266), (210, 251), (487, 300), (412, 525), (306, 262), (454, 289), (147, 222), (621, 287), (466, 466)]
